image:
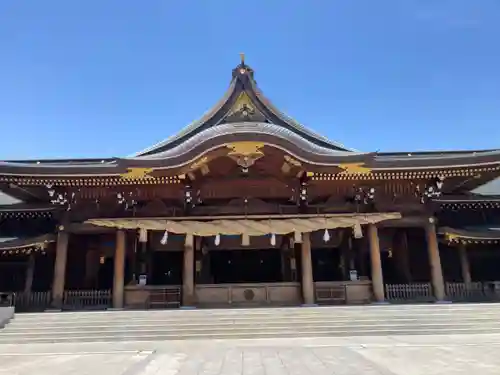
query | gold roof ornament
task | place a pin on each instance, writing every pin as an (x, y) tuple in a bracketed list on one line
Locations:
[(242, 103), (245, 154), (450, 237), (245, 148), (292, 161), (137, 173), (199, 163), (242, 58), (354, 168)]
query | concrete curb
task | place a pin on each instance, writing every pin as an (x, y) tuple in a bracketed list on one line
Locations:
[(6, 314)]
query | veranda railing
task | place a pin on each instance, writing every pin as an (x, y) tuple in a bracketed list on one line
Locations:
[(473, 292), (414, 292), (31, 301), (87, 299), (466, 292), (459, 292)]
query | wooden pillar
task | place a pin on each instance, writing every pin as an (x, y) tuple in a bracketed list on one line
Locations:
[(435, 261), (30, 271), (188, 273), (60, 269), (119, 271), (376, 263), (307, 274), (464, 263)]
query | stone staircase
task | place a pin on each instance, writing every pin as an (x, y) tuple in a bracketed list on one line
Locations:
[(113, 326)]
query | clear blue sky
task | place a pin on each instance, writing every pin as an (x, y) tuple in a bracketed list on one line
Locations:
[(95, 78)]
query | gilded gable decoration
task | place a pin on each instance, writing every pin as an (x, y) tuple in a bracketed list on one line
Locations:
[(292, 161), (244, 109), (354, 168), (199, 163), (245, 154), (289, 163), (137, 173)]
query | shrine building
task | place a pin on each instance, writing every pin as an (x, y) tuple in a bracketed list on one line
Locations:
[(247, 207)]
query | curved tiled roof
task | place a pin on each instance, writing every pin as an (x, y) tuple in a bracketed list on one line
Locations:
[(293, 123), (281, 137), (195, 124), (475, 233), (8, 200), (242, 81), (20, 243), (246, 128)]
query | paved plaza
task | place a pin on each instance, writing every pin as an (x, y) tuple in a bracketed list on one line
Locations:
[(395, 355)]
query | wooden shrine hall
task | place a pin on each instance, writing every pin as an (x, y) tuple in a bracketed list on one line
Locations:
[(247, 207)]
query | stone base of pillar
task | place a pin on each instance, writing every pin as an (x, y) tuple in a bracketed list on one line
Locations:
[(115, 309), (442, 302), (56, 304), (309, 305), (188, 301), (381, 303), (52, 310), (188, 307)]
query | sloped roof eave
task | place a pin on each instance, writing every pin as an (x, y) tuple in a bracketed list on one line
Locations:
[(476, 233), (244, 83), (295, 124), (21, 243), (193, 125)]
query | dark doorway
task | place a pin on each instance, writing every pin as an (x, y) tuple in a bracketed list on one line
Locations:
[(106, 274), (246, 266), (12, 275), (484, 263), (326, 265), (44, 272), (166, 268)]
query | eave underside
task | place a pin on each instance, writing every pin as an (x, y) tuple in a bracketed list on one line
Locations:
[(7, 244), (29, 207), (469, 198), (483, 234)]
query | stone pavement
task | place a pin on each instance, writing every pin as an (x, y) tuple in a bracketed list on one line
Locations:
[(389, 355)]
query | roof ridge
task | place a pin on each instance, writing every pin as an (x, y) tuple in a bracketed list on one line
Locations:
[(243, 81)]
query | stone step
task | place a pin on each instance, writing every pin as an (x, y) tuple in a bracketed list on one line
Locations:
[(42, 327), (250, 335), (209, 330), (292, 322), (113, 318), (251, 323), (376, 311), (280, 311)]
